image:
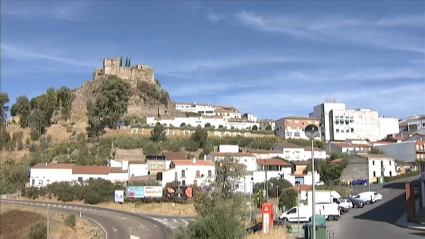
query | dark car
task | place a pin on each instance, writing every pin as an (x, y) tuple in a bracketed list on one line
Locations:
[(356, 203), (276, 223)]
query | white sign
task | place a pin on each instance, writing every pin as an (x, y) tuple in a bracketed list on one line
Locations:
[(119, 196), (153, 192), (266, 221)]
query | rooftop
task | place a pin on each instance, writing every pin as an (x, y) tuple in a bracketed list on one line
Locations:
[(273, 162), (174, 155), (198, 162), (91, 170), (300, 118), (223, 154), (289, 146), (54, 166), (264, 151)]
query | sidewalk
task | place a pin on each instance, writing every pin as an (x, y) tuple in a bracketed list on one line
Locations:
[(402, 222)]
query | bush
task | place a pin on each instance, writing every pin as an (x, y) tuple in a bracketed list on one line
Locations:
[(406, 175), (34, 135), (70, 220), (37, 230), (288, 199)]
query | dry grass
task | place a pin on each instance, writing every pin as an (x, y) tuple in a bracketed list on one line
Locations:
[(277, 233), (17, 219), (149, 208), (16, 155), (58, 133)]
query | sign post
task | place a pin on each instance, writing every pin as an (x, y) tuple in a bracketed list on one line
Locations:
[(267, 217)]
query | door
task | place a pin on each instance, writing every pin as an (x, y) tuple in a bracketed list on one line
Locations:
[(292, 215)]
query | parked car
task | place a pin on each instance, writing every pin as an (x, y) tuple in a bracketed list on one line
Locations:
[(369, 197), (320, 183), (379, 196), (276, 223), (356, 203), (345, 204)]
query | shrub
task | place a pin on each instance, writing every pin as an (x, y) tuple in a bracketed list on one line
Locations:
[(406, 175), (288, 199), (70, 220), (34, 135), (37, 230)]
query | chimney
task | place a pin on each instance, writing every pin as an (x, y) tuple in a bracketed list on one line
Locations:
[(194, 160), (205, 157)]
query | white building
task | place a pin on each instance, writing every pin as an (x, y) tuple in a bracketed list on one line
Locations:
[(350, 146), (339, 123), (318, 153), (322, 112), (248, 159), (250, 117), (414, 123), (266, 154), (189, 172), (83, 173), (204, 109), (292, 127), (291, 152), (361, 124), (407, 151), (43, 174), (214, 121)]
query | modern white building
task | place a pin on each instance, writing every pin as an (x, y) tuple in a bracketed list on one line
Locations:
[(291, 152), (266, 154), (204, 109), (292, 127), (413, 123), (248, 159), (350, 146), (322, 112), (203, 121), (43, 174), (339, 123), (250, 117)]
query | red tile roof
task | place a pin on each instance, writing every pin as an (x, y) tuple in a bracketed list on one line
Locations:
[(91, 170), (117, 170), (54, 166), (273, 162), (199, 162), (174, 155), (338, 160), (231, 154), (302, 187), (264, 151)]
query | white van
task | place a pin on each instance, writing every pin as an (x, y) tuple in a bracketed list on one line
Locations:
[(370, 197), (292, 214), (329, 210)]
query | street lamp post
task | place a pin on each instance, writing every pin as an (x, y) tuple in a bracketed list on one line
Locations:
[(266, 184), (298, 206), (312, 131)]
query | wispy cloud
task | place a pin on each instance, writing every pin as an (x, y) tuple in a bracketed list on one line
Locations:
[(17, 53), (357, 75), (212, 16), (61, 10), (301, 101), (338, 27), (214, 64)]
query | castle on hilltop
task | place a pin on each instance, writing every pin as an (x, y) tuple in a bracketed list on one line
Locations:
[(132, 74)]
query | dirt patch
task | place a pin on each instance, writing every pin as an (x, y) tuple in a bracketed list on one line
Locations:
[(15, 221), (277, 233)]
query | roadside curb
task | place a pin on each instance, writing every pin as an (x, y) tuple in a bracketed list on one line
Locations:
[(402, 222)]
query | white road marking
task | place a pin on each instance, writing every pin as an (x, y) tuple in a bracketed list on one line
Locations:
[(122, 218), (37, 203), (60, 205), (186, 223), (81, 208), (175, 220), (54, 205), (115, 230), (134, 237), (75, 207), (43, 204), (165, 219), (64, 206)]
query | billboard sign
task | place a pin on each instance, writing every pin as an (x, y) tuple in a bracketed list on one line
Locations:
[(179, 192), (119, 196), (135, 191), (153, 192)]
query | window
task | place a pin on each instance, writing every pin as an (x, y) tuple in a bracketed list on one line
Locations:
[(289, 134), (80, 179), (389, 163), (209, 173), (288, 121), (297, 134), (374, 173), (183, 182), (183, 174), (373, 162), (337, 130), (292, 211), (352, 130), (245, 160), (347, 131), (296, 121), (195, 183)]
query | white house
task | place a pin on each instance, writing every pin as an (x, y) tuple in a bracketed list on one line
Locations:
[(118, 174), (248, 159), (266, 154), (205, 109), (290, 151), (189, 172), (318, 153), (214, 121), (82, 173), (43, 174), (137, 168), (276, 168)]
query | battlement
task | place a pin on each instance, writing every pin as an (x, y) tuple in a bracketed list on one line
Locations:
[(132, 74)]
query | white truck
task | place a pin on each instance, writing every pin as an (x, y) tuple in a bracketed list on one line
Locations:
[(328, 196), (303, 213)]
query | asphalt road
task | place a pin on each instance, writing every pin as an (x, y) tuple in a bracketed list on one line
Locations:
[(115, 224), (376, 221)]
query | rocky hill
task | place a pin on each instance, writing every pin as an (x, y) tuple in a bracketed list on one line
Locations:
[(148, 98)]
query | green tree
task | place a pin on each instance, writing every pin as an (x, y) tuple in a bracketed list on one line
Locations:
[(65, 98), (95, 125), (22, 108), (219, 209), (70, 220), (288, 199), (37, 230), (158, 133), (129, 64), (4, 99), (126, 62), (37, 121), (121, 61), (275, 185), (200, 136)]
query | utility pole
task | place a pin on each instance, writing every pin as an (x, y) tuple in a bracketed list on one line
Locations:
[(48, 221), (267, 185), (313, 189)]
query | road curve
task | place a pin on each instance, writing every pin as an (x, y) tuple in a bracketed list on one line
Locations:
[(115, 223)]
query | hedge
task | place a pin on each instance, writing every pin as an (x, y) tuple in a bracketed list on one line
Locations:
[(401, 176)]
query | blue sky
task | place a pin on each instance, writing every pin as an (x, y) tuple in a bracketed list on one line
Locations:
[(272, 59)]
